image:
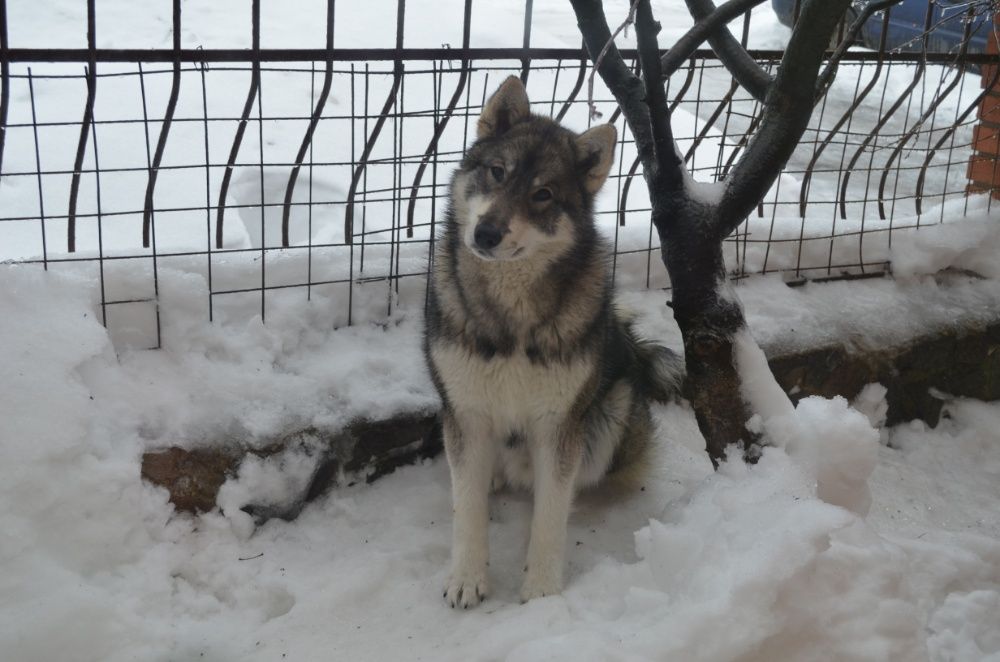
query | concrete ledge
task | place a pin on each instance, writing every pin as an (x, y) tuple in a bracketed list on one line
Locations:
[(958, 362), (365, 450)]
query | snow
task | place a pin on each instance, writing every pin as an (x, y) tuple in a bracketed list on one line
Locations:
[(871, 402), (185, 185), (782, 560), (937, 248), (251, 382), (938, 286), (845, 541), (833, 444), (495, 23)]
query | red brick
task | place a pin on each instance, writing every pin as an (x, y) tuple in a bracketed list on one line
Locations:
[(984, 171), (976, 187), (984, 167), (989, 108), (986, 140), (989, 71), (986, 74)]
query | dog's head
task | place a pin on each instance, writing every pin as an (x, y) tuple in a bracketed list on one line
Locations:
[(526, 186)]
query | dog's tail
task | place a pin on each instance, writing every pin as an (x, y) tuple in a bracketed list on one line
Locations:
[(661, 369)]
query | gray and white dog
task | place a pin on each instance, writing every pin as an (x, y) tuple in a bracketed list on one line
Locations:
[(543, 384)]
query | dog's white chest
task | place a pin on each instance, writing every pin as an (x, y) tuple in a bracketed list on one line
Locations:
[(511, 391)]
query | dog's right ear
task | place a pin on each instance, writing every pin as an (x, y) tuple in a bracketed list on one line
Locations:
[(507, 107), (597, 149)]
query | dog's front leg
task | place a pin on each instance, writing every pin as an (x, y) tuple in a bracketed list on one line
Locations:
[(556, 459), (471, 455)]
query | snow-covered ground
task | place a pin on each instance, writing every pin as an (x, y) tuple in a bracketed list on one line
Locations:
[(781, 561), (784, 560), (842, 543)]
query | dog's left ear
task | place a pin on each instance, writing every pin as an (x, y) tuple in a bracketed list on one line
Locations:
[(597, 152), (507, 107)]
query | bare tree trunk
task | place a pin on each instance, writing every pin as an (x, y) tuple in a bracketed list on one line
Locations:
[(708, 318), (691, 225)]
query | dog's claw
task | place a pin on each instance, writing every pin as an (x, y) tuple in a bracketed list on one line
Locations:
[(466, 589)]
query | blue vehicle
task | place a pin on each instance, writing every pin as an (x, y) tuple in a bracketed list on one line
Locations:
[(907, 22)]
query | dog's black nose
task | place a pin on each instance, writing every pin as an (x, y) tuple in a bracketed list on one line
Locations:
[(488, 236)]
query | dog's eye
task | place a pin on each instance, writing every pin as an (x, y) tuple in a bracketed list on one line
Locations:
[(497, 173), (541, 195)]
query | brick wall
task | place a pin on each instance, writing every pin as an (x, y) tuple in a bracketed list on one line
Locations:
[(984, 166)]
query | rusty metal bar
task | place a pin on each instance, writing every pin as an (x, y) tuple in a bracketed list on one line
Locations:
[(168, 117), (710, 122), (88, 118), (242, 55), (208, 195), (309, 203), (100, 235), (149, 168), (625, 189), (949, 132), (263, 202), (350, 282), (443, 122), (847, 39), (858, 99), (241, 128), (397, 77), (917, 75), (38, 168), (933, 106), (580, 77), (313, 121), (526, 41), (4, 81)]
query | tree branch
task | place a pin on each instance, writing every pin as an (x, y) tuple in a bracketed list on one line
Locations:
[(744, 68), (624, 85), (670, 169), (787, 109), (600, 58), (704, 28), (852, 33)]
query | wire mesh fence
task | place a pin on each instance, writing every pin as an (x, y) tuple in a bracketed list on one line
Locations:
[(262, 177)]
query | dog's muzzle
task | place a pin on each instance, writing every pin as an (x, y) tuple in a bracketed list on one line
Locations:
[(487, 236)]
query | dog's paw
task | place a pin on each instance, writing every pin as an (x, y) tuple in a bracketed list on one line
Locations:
[(540, 584), (466, 588)]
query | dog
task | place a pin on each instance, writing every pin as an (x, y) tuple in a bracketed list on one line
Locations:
[(543, 384)]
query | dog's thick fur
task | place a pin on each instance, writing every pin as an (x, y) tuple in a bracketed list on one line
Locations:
[(543, 384)]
